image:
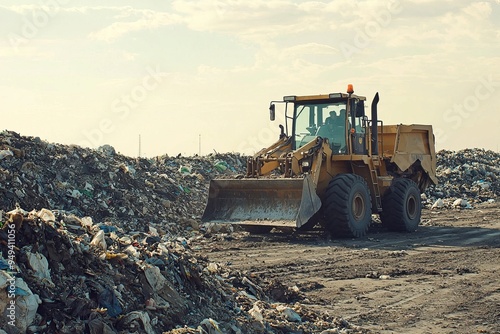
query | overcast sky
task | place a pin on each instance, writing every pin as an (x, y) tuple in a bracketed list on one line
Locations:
[(181, 73)]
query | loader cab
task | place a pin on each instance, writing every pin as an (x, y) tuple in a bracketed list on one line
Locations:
[(338, 117), (326, 119)]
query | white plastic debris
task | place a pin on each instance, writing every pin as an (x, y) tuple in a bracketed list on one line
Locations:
[(26, 305), (213, 268), (88, 187), (256, 313), (46, 215), (86, 222), (5, 153), (5, 280), (99, 241), (38, 262), (438, 204), (132, 251), (289, 314), (153, 231), (75, 193), (211, 325)]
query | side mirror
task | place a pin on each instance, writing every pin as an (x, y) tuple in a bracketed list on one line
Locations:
[(272, 112), (360, 108)]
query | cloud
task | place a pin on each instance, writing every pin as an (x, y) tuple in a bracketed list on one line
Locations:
[(310, 48), (236, 17), (138, 20), (118, 20)]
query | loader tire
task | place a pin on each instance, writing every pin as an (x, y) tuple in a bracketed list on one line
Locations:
[(347, 206), (401, 206)]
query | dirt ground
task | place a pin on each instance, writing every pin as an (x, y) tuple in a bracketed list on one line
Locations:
[(444, 278)]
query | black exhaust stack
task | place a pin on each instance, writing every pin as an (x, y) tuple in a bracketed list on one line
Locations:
[(375, 125)]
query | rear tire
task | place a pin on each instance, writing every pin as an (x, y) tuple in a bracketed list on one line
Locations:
[(401, 206), (347, 206)]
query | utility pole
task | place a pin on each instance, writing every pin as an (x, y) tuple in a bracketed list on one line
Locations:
[(199, 145), (139, 146)]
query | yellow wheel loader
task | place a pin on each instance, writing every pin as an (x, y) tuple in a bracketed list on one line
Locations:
[(332, 166)]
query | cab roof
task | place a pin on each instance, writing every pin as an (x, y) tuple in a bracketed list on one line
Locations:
[(321, 97)]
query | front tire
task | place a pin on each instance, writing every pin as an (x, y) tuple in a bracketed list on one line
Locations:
[(402, 206), (347, 206)]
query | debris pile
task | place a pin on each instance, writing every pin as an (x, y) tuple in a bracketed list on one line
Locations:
[(67, 274), (168, 192), (466, 177), (72, 275), (110, 244), (108, 247)]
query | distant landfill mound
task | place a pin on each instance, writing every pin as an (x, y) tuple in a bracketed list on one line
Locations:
[(466, 178), (137, 191), (105, 185), (102, 242)]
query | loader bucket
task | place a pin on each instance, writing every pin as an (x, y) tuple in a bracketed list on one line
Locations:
[(262, 202)]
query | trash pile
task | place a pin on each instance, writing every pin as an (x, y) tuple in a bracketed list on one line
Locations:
[(95, 242), (108, 247), (168, 192), (71, 275), (466, 177)]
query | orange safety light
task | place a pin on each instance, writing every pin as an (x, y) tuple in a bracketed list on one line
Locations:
[(350, 89)]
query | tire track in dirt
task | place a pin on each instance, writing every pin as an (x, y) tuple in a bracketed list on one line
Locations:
[(441, 279)]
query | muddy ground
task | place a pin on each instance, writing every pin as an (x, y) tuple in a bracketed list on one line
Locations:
[(444, 278)]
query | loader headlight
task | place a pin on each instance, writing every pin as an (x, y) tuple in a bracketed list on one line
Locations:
[(335, 95), (305, 164), (290, 98)]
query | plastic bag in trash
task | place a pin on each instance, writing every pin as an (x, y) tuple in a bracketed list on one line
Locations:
[(38, 262), (221, 165), (108, 299), (5, 153), (107, 228), (26, 306), (211, 325), (185, 170), (99, 241), (46, 215), (136, 316)]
